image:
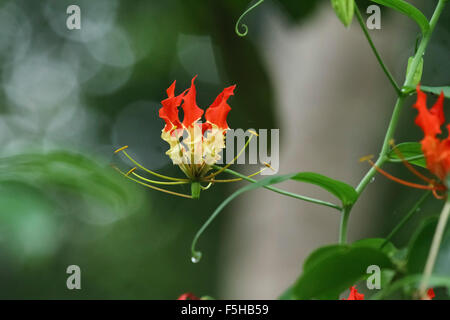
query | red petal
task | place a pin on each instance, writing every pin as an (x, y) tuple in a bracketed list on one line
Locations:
[(437, 152), (169, 110), (171, 90), (192, 112), (429, 120), (438, 109), (445, 154), (431, 150), (218, 111)]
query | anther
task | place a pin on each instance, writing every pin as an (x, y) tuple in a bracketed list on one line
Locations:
[(130, 171), (268, 165), (120, 149), (366, 158)]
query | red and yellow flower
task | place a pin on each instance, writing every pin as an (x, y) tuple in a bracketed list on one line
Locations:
[(194, 146)]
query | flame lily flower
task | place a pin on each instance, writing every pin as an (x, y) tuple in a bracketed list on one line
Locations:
[(193, 146), (354, 294), (435, 150)]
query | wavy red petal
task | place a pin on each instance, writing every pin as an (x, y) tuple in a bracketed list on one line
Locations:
[(429, 120), (436, 151), (218, 111), (169, 110), (438, 109), (171, 90), (192, 112)]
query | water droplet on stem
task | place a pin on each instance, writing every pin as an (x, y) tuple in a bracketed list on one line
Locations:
[(196, 257)]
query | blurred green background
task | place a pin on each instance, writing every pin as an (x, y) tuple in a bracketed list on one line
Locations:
[(69, 98)]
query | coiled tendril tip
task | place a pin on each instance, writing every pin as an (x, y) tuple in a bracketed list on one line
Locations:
[(244, 26)]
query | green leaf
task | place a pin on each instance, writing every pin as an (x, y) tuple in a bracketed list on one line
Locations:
[(419, 248), (331, 271), (321, 253), (343, 191), (344, 9), (410, 151), (437, 90), (389, 249), (287, 295), (418, 74), (409, 10), (346, 193)]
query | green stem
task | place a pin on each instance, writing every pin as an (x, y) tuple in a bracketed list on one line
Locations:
[(195, 190), (385, 147), (405, 219), (345, 214), (396, 113), (280, 191), (375, 51), (434, 250), (423, 44)]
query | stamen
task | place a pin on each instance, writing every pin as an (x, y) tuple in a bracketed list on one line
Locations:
[(207, 187), (120, 149), (236, 179), (408, 165), (235, 158), (131, 171), (159, 182), (403, 182), (149, 171), (366, 158), (268, 166), (153, 187)]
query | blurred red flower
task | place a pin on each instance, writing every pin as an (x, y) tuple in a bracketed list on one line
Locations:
[(430, 294), (187, 296), (354, 295)]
